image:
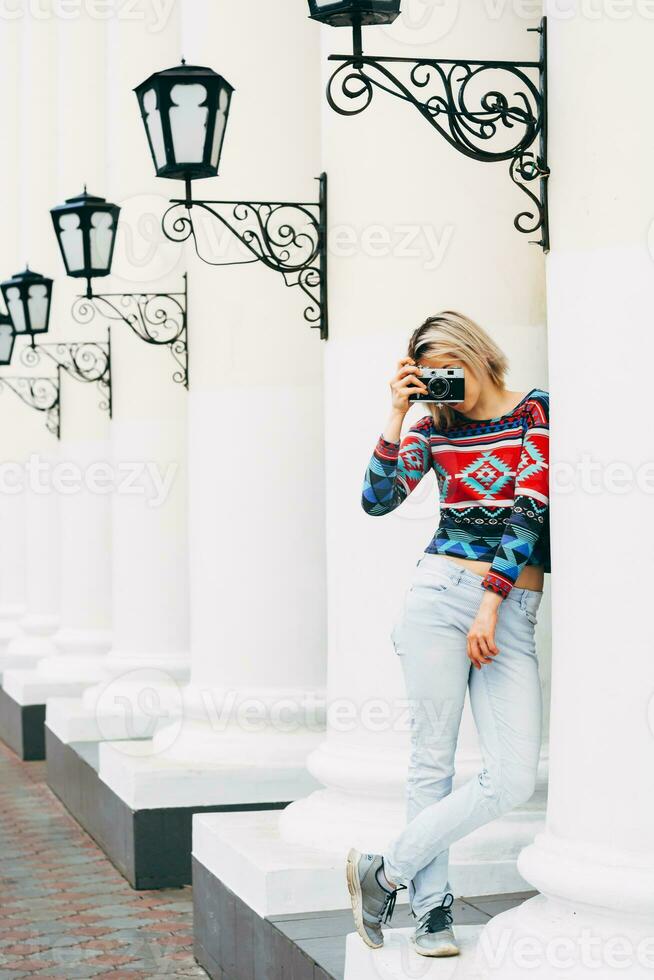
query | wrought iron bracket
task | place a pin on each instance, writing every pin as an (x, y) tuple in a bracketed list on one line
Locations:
[(461, 99), (288, 237), (86, 361), (159, 319), (41, 394)]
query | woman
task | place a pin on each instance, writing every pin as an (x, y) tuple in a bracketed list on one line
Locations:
[(468, 618)]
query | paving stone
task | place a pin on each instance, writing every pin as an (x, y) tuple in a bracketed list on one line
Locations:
[(67, 913)]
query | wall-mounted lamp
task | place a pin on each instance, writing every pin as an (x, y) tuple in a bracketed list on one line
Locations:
[(488, 110), (7, 339), (185, 111), (41, 394), (28, 297), (86, 228)]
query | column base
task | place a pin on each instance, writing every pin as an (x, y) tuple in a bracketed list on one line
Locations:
[(546, 937), (34, 639), (21, 727), (10, 617)]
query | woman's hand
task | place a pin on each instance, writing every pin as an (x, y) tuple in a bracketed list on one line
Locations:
[(481, 635), (405, 382)]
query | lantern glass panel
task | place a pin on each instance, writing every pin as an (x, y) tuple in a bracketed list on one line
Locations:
[(38, 301), (7, 338), (101, 234), (221, 125), (152, 118), (72, 241), (16, 309), (188, 122)]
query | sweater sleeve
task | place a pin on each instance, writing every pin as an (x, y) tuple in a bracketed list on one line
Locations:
[(396, 468), (531, 502)]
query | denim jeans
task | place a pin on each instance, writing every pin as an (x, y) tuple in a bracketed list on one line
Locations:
[(505, 696)]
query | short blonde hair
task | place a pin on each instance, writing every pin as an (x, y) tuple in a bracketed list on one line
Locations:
[(451, 334)]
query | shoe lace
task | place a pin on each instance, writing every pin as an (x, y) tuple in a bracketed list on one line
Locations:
[(440, 917), (389, 906), (389, 902)]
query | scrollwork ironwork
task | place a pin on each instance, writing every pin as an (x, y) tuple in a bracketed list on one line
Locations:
[(159, 319), (489, 111), (41, 394), (287, 237), (86, 361)]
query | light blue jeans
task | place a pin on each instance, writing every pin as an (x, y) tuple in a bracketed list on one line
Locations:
[(505, 695)]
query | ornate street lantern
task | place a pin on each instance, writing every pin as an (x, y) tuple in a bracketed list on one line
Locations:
[(185, 112), (7, 338), (86, 231), (28, 296), (349, 13)]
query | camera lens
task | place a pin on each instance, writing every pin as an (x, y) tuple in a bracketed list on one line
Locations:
[(439, 387)]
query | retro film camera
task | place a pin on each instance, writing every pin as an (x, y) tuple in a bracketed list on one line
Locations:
[(444, 385)]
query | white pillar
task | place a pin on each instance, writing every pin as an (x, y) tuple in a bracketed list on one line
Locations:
[(85, 543), (594, 863), (150, 652), (12, 498), (38, 142), (254, 708), (412, 226)]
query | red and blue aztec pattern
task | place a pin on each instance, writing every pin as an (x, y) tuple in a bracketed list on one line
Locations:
[(493, 482)]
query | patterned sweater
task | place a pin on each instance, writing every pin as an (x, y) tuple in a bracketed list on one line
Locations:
[(493, 484)]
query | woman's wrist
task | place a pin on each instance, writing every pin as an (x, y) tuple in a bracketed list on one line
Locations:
[(491, 601), (393, 428)]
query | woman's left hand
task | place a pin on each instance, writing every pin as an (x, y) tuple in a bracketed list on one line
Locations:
[(481, 635)]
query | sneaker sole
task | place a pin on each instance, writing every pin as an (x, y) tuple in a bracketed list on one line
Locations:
[(445, 951), (354, 888)]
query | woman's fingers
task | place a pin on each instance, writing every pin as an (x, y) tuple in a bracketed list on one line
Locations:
[(485, 645), (476, 653)]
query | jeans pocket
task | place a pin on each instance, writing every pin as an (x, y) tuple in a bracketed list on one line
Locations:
[(432, 580), (530, 604)]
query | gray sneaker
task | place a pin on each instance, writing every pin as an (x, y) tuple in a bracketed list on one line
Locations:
[(372, 903), (434, 935)]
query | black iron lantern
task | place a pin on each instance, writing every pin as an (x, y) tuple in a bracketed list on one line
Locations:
[(7, 338), (28, 296), (185, 112), (86, 231), (349, 13)]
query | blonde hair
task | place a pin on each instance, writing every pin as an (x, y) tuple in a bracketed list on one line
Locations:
[(451, 334)]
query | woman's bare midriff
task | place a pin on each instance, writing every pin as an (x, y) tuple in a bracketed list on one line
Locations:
[(531, 576)]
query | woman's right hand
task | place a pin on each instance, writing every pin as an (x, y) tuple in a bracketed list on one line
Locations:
[(406, 382)]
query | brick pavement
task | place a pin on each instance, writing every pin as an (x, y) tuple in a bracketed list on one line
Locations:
[(65, 912)]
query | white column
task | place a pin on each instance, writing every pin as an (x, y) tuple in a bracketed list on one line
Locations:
[(412, 226), (85, 544), (12, 498), (254, 708), (38, 142), (150, 652), (594, 863)]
